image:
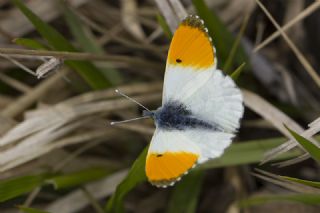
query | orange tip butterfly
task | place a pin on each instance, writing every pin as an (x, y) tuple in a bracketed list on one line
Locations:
[(201, 107)]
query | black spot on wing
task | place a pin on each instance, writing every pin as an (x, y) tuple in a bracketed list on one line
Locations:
[(178, 60)]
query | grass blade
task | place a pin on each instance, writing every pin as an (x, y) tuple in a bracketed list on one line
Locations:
[(223, 40), (235, 75), (87, 43), (310, 199), (251, 152), (136, 175), (165, 27), (77, 178), (30, 43), (305, 182), (312, 149), (15, 187), (282, 182), (236, 44), (186, 193), (30, 210), (87, 70)]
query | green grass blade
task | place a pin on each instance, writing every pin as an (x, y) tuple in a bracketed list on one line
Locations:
[(237, 154), (312, 149), (30, 43), (304, 182), (235, 75), (248, 152), (165, 27), (87, 70), (87, 43), (235, 45), (78, 31), (310, 199), (30, 210), (15, 187), (136, 176), (53, 37), (77, 178), (185, 195), (223, 40)]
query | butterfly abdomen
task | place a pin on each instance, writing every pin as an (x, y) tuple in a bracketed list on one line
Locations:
[(175, 116)]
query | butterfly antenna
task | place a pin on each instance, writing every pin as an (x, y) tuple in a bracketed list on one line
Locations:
[(131, 99), (129, 120)]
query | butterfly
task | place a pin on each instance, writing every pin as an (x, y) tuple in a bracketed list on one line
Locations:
[(201, 107)]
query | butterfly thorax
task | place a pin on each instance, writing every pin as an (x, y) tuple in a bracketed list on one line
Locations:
[(175, 116)]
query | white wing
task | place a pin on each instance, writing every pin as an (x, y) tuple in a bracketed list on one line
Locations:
[(173, 153), (209, 94), (206, 144), (211, 144), (172, 141)]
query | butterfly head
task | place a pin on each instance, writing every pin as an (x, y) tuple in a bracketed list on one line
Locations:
[(148, 113)]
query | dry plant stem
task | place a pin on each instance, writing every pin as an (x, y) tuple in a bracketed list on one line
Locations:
[(18, 64), (37, 144), (30, 97), (44, 118), (293, 161), (278, 180), (168, 14), (294, 8), (32, 196), (136, 128), (113, 35), (178, 8), (270, 113), (14, 83), (305, 13), (76, 200), (314, 128), (130, 90), (76, 153), (15, 23), (7, 36), (92, 200), (154, 35), (293, 47), (260, 30), (80, 56), (103, 106), (130, 19), (43, 135)]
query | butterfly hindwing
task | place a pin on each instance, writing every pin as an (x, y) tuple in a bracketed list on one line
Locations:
[(218, 101), (171, 154)]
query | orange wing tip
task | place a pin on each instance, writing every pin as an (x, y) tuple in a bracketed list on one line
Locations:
[(167, 168), (192, 45), (195, 21)]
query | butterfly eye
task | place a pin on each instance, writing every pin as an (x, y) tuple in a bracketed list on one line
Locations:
[(178, 60)]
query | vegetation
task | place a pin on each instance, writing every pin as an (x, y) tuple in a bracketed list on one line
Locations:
[(60, 62)]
